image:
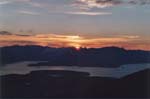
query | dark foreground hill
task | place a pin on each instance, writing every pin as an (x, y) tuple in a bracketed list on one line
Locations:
[(104, 57), (57, 84)]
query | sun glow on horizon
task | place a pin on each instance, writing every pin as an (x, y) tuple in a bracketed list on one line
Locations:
[(77, 46), (76, 41), (74, 37)]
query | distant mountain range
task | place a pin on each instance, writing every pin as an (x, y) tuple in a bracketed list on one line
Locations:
[(99, 57)]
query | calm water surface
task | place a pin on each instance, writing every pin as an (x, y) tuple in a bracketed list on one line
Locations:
[(23, 68)]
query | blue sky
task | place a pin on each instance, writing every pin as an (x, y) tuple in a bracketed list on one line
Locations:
[(68, 16), (107, 18)]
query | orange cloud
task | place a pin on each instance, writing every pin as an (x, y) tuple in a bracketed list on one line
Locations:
[(54, 40), (89, 13)]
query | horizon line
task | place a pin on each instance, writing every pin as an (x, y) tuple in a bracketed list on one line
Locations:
[(76, 48)]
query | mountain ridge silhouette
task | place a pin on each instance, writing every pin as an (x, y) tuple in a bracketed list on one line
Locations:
[(90, 57)]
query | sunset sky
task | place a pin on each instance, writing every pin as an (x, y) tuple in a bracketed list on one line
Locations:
[(77, 23)]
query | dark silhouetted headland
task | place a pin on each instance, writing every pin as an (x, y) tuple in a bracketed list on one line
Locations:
[(70, 84)]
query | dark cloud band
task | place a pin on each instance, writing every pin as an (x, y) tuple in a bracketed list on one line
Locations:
[(5, 33), (108, 3)]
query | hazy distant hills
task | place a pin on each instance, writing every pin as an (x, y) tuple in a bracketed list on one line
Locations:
[(104, 57)]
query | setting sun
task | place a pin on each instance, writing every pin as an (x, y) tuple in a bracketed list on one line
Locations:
[(75, 41), (77, 46)]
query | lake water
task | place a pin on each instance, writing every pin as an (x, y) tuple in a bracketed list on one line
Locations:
[(23, 68)]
